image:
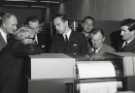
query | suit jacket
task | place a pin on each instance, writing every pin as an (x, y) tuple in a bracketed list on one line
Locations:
[(76, 46), (116, 39), (13, 59), (2, 42), (102, 52), (44, 40), (128, 48)]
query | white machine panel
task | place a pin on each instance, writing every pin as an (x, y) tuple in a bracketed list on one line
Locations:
[(52, 66), (96, 69), (89, 70)]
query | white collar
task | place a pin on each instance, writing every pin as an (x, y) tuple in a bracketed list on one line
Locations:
[(96, 50), (4, 34), (36, 38), (67, 34), (129, 41)]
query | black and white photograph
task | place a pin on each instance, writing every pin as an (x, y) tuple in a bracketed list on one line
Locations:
[(67, 46)]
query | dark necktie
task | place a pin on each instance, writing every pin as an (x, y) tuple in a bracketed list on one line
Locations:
[(9, 37), (126, 43), (66, 38), (95, 52)]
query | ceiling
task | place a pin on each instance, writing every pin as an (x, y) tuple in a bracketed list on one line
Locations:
[(31, 3), (36, 0)]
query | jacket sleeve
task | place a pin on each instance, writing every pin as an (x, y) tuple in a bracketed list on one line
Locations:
[(16, 48), (53, 48), (84, 45)]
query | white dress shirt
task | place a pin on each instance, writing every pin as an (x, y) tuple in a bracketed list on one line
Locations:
[(4, 35), (126, 43), (36, 39), (96, 50), (67, 34)]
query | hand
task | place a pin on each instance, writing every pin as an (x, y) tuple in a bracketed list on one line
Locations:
[(28, 41)]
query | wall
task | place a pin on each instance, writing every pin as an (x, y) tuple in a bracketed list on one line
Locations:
[(78, 9), (101, 9), (114, 9)]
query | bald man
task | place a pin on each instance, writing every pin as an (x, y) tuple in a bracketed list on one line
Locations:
[(8, 26), (99, 48), (12, 58)]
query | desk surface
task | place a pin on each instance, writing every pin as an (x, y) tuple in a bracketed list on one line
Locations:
[(126, 92), (50, 55)]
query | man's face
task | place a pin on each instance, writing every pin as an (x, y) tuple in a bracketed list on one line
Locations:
[(60, 25), (88, 25), (11, 25), (34, 25), (97, 40), (126, 34)]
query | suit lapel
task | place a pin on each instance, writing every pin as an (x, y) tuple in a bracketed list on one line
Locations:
[(101, 49), (131, 44), (70, 37)]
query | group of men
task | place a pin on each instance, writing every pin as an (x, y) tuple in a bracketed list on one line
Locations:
[(85, 45), (89, 44)]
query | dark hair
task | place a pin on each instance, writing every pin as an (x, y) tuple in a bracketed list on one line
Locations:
[(130, 23), (88, 17), (98, 30), (32, 19), (62, 16), (1, 15)]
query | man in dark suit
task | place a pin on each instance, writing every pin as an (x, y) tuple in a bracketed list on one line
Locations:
[(2, 41), (128, 36), (8, 26), (128, 45), (2, 34), (67, 41), (39, 36), (12, 61)]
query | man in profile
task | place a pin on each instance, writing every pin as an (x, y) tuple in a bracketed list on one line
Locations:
[(70, 42), (128, 45), (8, 26), (128, 36)]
